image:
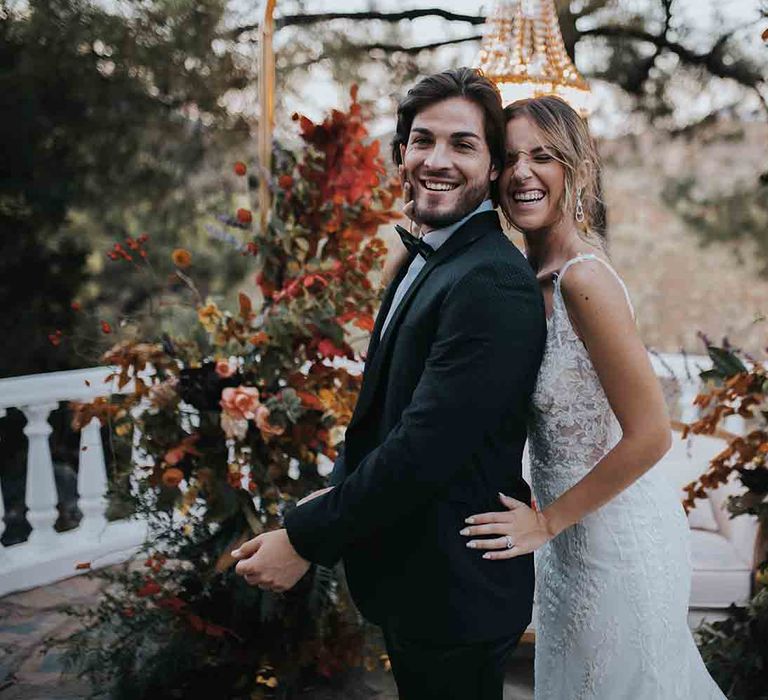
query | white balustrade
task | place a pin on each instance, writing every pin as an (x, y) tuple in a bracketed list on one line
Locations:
[(47, 555)]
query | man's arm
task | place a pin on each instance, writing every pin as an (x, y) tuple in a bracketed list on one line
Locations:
[(486, 352)]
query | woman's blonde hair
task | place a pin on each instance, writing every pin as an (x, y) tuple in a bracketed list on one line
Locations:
[(567, 135)]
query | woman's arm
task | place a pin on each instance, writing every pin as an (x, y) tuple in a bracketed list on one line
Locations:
[(602, 318)]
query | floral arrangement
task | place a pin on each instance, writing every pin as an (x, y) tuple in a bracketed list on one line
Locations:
[(231, 425), (736, 649)]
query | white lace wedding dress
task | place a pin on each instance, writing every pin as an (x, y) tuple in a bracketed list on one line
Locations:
[(612, 591)]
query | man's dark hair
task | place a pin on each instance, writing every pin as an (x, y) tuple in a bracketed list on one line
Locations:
[(468, 83)]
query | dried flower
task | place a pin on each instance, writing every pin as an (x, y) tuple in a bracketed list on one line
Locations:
[(172, 476), (244, 216), (209, 316), (181, 258), (262, 423), (225, 369)]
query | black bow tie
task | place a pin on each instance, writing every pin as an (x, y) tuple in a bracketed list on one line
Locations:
[(413, 244)]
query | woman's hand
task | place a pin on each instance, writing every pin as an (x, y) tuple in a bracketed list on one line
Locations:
[(314, 494), (521, 530), (396, 259)]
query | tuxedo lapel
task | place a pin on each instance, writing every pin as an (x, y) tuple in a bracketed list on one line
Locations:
[(475, 228)]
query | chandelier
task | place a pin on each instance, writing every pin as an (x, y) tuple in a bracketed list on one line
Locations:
[(523, 53)]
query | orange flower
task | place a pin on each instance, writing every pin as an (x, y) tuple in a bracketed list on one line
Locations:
[(260, 338), (181, 258), (185, 447), (244, 216), (365, 322), (106, 328), (262, 423), (240, 402), (240, 168), (173, 476), (225, 369), (209, 316)]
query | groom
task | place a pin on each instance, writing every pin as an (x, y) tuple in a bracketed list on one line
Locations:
[(439, 427)]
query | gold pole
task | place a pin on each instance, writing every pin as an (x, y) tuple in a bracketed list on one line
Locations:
[(267, 108)]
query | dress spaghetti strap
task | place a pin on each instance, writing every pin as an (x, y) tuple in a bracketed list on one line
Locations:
[(591, 256)]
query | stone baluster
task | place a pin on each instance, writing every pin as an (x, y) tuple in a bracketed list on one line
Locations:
[(41, 494), (92, 478)]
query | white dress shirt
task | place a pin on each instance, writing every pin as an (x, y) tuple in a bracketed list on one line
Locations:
[(435, 239)]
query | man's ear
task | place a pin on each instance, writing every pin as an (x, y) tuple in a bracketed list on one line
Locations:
[(402, 154)]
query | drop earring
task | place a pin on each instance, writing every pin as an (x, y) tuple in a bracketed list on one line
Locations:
[(579, 207)]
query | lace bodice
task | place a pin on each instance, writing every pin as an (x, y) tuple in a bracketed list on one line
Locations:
[(572, 425)]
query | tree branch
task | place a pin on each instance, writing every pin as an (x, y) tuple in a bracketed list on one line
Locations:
[(712, 60), (306, 19)]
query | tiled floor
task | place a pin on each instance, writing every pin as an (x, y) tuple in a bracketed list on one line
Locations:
[(29, 672)]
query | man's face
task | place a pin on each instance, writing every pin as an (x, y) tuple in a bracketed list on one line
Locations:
[(447, 162)]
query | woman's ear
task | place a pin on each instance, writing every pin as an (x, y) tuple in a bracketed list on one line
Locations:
[(402, 154)]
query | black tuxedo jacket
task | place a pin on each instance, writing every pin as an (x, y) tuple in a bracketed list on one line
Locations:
[(438, 431)]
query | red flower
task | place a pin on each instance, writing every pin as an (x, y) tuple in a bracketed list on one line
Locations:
[(240, 168), (75, 306), (149, 588), (55, 338), (174, 603), (285, 182), (244, 216), (106, 328), (196, 623), (310, 401), (327, 348)]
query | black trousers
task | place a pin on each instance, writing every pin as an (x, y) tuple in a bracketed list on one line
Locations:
[(432, 671)]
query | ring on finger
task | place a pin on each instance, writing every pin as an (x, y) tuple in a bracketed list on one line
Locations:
[(509, 542)]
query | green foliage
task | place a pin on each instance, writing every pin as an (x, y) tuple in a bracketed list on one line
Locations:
[(105, 120), (735, 650), (741, 215)]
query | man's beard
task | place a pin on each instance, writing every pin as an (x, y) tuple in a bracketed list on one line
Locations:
[(468, 202)]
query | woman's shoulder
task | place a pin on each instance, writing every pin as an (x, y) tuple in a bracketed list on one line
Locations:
[(592, 288)]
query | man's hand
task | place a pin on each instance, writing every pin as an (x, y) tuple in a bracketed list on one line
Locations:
[(270, 562)]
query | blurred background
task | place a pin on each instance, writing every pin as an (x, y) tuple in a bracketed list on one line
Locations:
[(123, 117), (132, 126)]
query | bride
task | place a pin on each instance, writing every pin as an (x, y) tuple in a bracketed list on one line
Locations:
[(613, 570)]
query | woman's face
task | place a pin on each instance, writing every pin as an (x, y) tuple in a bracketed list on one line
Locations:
[(533, 181)]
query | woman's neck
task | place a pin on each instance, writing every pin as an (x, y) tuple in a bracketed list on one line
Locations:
[(548, 248)]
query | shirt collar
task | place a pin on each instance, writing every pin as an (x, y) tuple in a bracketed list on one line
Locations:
[(438, 236)]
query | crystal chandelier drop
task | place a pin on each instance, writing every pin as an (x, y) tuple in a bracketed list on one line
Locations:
[(523, 53)]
